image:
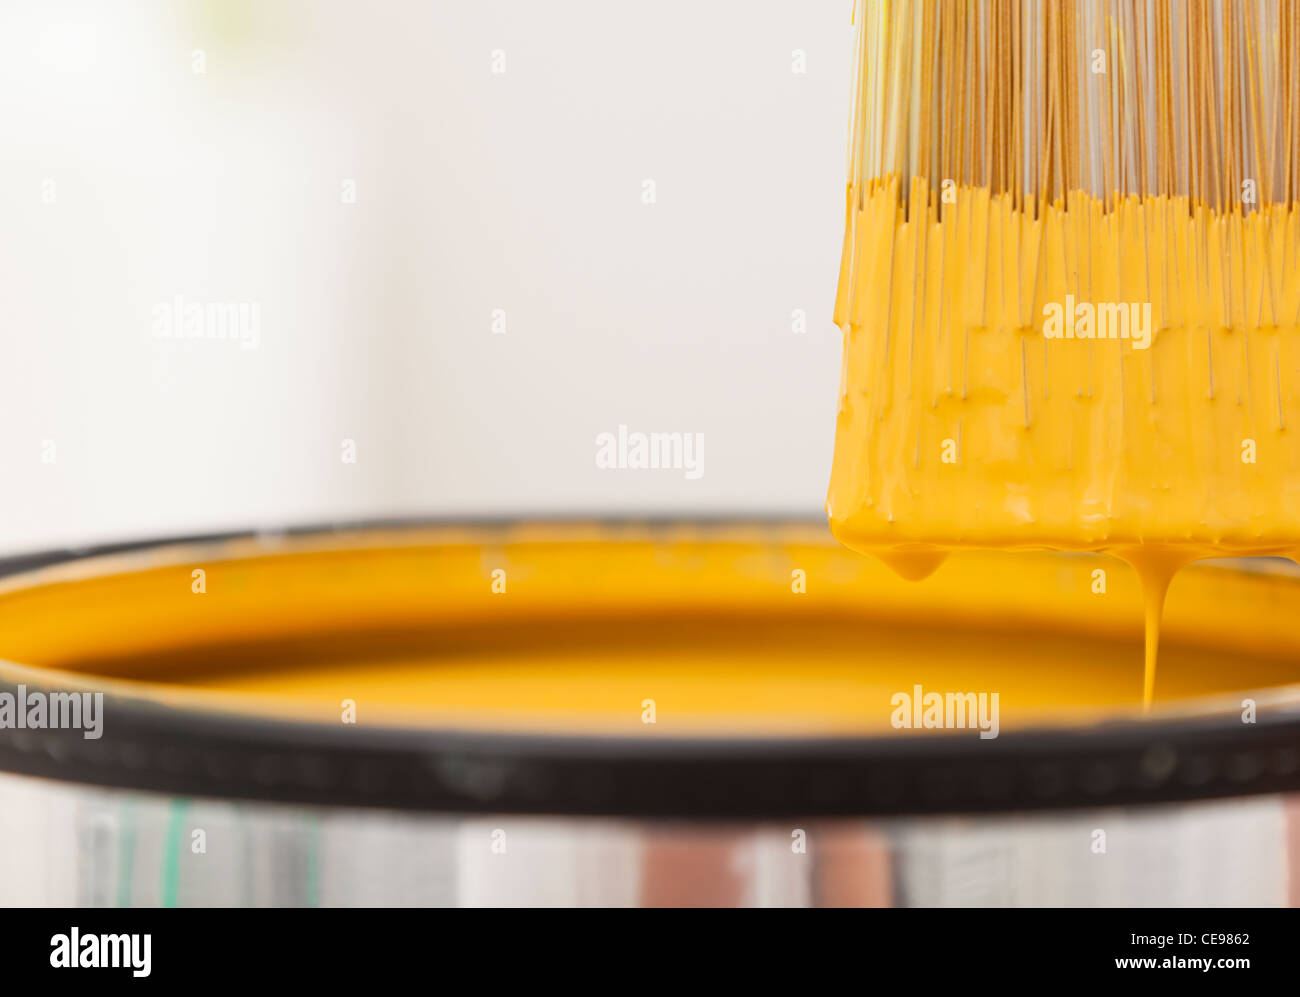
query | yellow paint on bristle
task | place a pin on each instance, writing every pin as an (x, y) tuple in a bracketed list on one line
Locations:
[(1031, 364)]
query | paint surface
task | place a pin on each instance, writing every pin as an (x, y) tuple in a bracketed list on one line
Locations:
[(763, 630)]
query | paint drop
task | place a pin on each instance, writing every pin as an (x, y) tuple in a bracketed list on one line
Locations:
[(913, 565), (1155, 570)]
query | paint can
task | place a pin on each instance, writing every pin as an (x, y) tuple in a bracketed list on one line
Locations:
[(636, 713)]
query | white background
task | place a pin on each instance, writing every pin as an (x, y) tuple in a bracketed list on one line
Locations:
[(520, 191)]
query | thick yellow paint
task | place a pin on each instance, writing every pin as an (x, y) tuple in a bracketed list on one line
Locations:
[(707, 622), (962, 425)]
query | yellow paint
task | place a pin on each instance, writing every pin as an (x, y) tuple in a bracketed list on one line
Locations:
[(595, 620), (961, 425)]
